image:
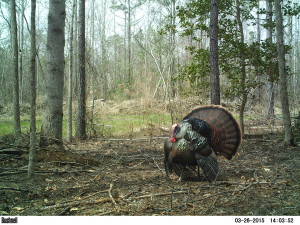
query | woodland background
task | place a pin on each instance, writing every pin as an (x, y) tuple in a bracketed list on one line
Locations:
[(155, 51), (98, 77)]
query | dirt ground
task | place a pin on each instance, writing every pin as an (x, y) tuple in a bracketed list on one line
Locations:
[(124, 176)]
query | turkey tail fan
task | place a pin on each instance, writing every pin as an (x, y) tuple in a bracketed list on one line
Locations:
[(226, 132)]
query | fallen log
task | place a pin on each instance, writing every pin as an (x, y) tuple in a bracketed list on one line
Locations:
[(12, 151)]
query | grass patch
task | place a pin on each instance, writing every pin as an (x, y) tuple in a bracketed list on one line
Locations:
[(113, 125), (7, 126), (129, 124)]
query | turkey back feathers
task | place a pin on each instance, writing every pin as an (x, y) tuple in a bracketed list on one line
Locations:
[(225, 135)]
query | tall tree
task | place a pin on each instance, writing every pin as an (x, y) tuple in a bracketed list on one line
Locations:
[(104, 53), (258, 40), (129, 8), (288, 134), (15, 48), (172, 44), (81, 120), (51, 131), (270, 82), (32, 151), (242, 63), (70, 114), (21, 48), (214, 56), (129, 26)]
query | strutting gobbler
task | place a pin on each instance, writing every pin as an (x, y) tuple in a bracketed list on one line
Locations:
[(198, 138)]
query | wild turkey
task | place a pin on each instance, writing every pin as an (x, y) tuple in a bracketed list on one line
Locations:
[(196, 140)]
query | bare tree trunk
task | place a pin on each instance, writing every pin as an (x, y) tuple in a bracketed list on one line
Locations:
[(214, 55), (130, 79), (290, 80), (70, 115), (32, 151), (104, 57), (115, 48), (270, 84), (172, 47), (81, 120), (243, 67), (288, 134), (76, 47), (258, 39), (125, 47), (21, 44), (15, 48), (51, 132)]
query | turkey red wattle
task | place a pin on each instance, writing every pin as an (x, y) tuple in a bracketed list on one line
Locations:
[(173, 139)]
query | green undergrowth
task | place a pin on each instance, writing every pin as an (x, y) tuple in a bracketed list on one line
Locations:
[(131, 124), (113, 125), (7, 125)]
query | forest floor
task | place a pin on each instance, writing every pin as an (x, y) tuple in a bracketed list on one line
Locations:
[(124, 175)]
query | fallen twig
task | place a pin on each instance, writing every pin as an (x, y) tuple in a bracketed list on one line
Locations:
[(68, 162), (158, 194), (65, 211), (112, 197), (76, 203), (106, 213), (89, 202), (112, 211), (91, 195), (45, 171), (157, 165), (137, 164), (12, 173), (209, 196), (13, 189)]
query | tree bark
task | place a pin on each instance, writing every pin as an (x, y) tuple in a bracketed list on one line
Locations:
[(32, 151), (258, 39), (243, 67), (270, 84), (16, 89), (214, 55), (51, 132), (104, 55), (81, 120), (21, 47), (288, 134), (173, 83), (130, 79), (70, 114)]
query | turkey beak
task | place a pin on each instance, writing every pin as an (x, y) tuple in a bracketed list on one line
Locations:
[(175, 129)]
